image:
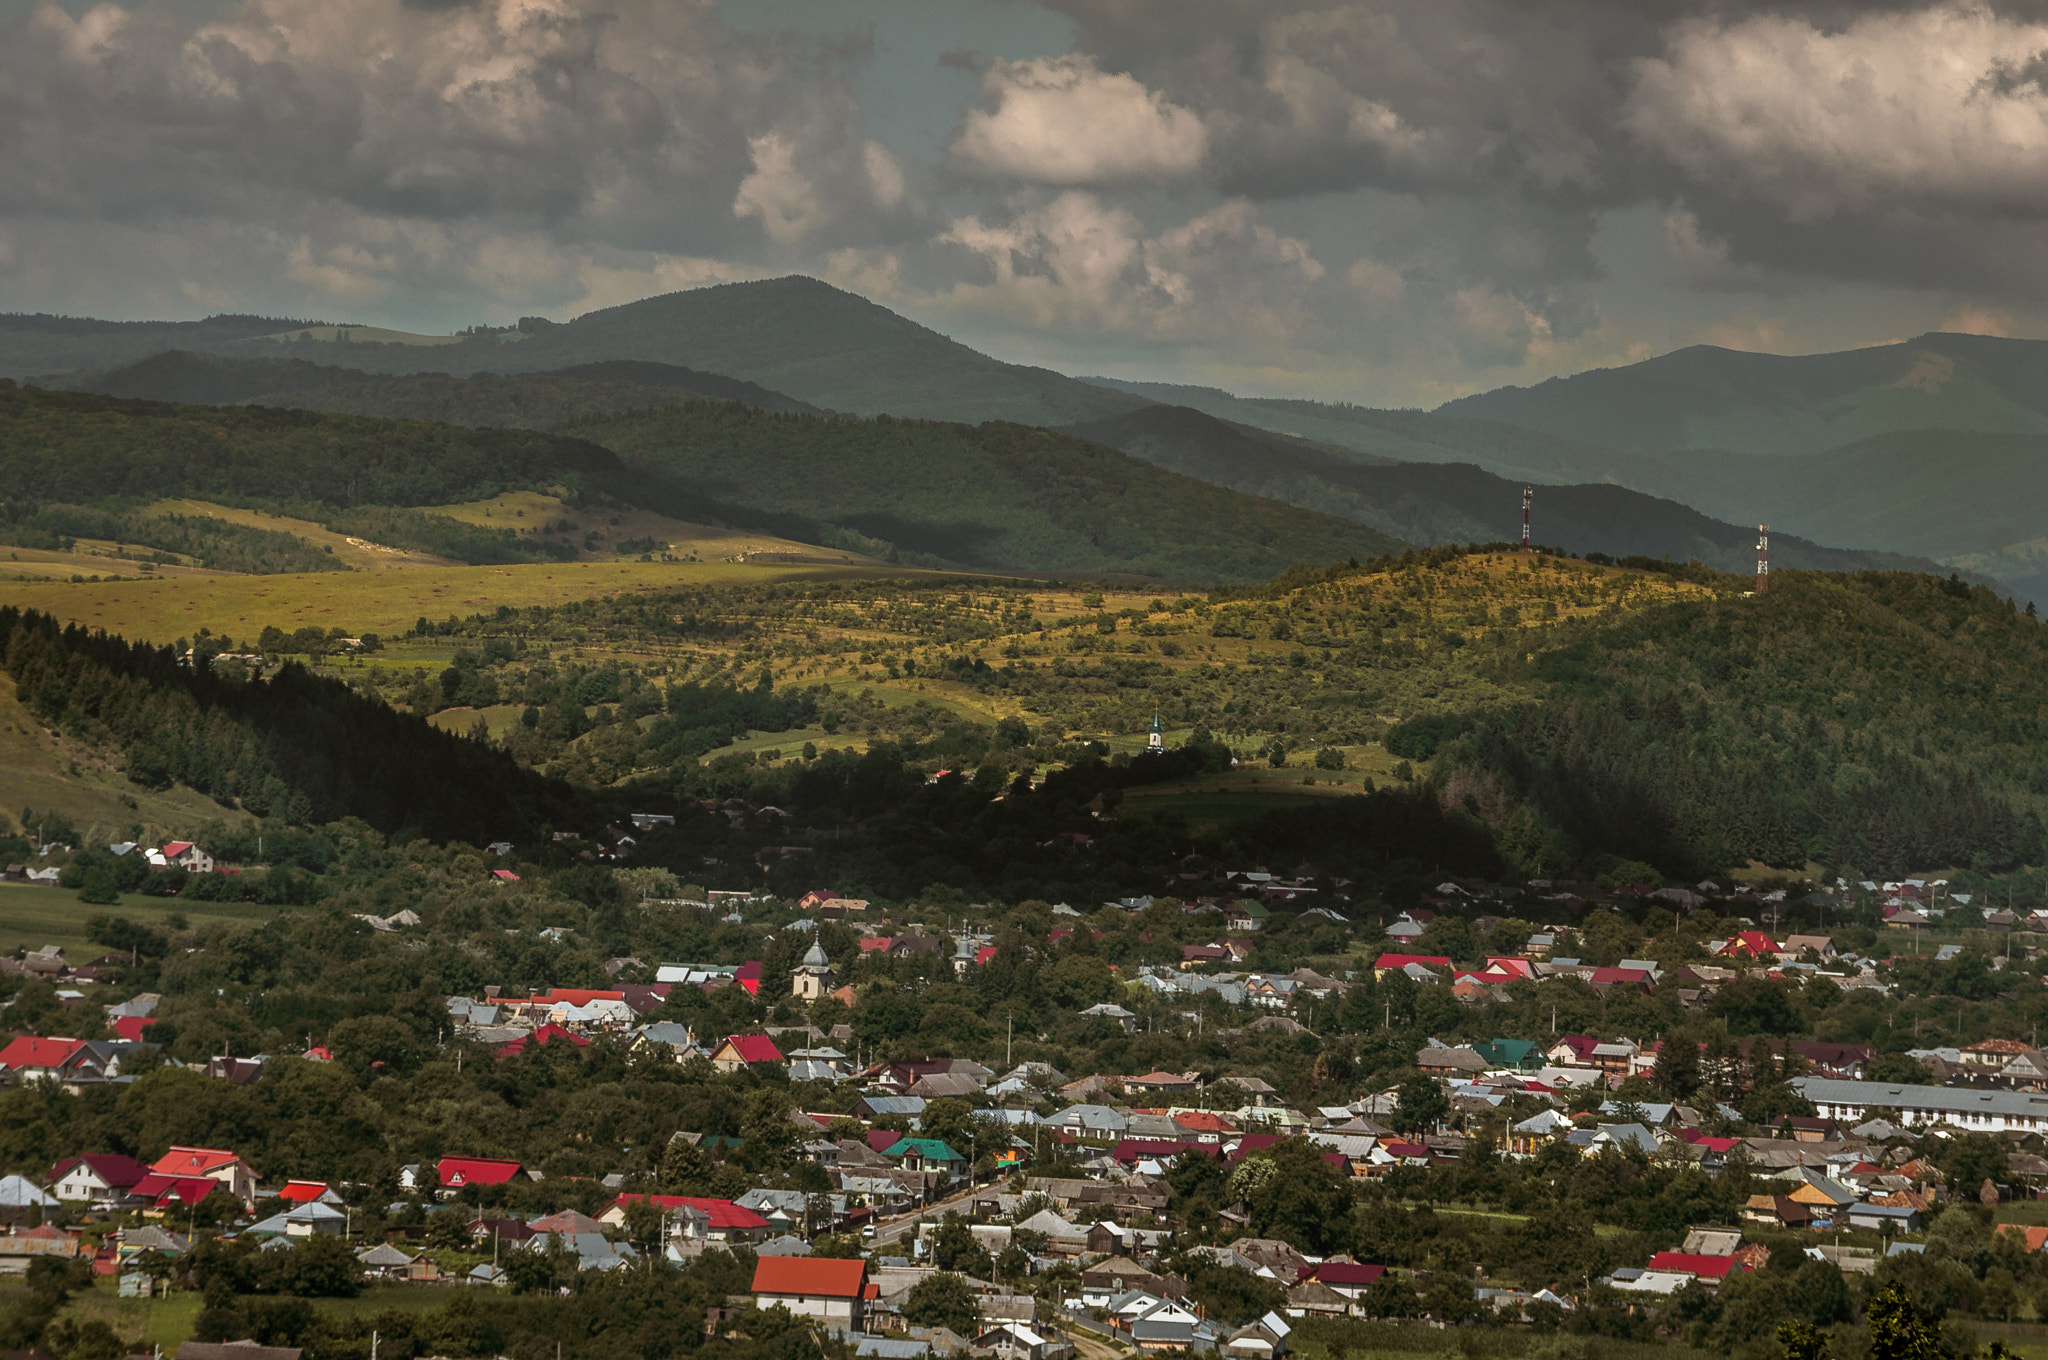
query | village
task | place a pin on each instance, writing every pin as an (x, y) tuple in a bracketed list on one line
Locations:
[(1051, 1198)]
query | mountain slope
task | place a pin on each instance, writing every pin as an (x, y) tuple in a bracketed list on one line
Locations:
[(795, 335), (1709, 398), (994, 495), (1431, 503), (1410, 436), (524, 401)]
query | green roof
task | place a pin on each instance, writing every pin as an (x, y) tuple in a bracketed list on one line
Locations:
[(931, 1149)]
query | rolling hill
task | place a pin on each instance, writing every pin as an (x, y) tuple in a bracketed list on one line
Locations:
[(1433, 503), (994, 495), (1704, 397)]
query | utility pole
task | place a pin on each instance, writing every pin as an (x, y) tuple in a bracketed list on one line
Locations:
[(1763, 558)]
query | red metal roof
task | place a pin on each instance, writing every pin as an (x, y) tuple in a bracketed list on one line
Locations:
[(188, 1161), (458, 1171), (811, 1276), (28, 1051), (1348, 1272), (302, 1192), (185, 1189), (723, 1213), (754, 1048), (173, 849), (1403, 960), (130, 1027), (115, 1171), (1691, 1263), (578, 996), (748, 975), (546, 1034)]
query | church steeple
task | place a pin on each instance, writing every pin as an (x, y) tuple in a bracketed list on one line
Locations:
[(1156, 739)]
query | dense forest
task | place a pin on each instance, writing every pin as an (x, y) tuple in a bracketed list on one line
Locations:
[(290, 745), (995, 495)]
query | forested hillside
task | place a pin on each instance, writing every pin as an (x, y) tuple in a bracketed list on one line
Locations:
[(523, 400), (290, 746), (1872, 722), (994, 495)]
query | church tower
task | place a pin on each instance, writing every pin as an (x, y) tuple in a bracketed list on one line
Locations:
[(1156, 739), (814, 976)]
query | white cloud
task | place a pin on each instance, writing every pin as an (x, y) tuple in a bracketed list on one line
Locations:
[(1083, 265), (1942, 106), (1979, 321), (785, 200), (1061, 121)]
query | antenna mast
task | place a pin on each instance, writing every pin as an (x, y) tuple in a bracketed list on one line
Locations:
[(1526, 493), (1763, 558)]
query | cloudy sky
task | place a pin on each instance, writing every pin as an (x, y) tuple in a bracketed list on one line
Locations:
[(1391, 203)]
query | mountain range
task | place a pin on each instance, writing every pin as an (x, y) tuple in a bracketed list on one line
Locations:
[(1929, 451)]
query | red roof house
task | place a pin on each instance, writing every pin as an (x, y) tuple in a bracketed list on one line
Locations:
[(457, 1172), (302, 1192), (1691, 1263), (834, 1290), (745, 1050), (546, 1034), (1387, 961), (1752, 944), (28, 1056), (748, 975)]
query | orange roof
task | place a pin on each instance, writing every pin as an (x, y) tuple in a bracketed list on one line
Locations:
[(579, 996), (185, 1161), (810, 1275), (1204, 1121)]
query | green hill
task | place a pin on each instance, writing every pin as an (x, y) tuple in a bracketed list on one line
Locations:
[(524, 401), (1709, 398), (1432, 502), (995, 495)]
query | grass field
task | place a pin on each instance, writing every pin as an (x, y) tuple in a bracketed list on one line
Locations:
[(355, 552), (43, 771), (35, 915), (168, 1321)]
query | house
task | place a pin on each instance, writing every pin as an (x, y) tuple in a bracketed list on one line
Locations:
[(182, 855), (1394, 963), (1265, 1339), (456, 1172), (99, 1179), (1515, 1055), (1748, 944), (214, 1164), (27, 1058), (1165, 1081), (925, 1154), (1020, 1341), (740, 1051), (1109, 1010), (1449, 1061), (1089, 1121), (1348, 1278), (834, 1291)]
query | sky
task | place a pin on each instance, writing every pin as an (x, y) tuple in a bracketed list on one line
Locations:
[(1392, 204)]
